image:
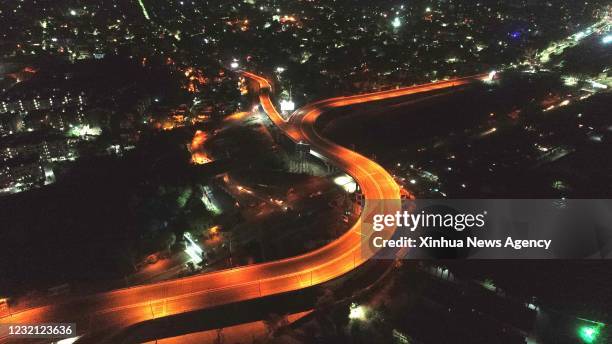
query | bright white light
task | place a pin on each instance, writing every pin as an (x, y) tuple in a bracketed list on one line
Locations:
[(49, 176), (234, 65), (85, 130), (193, 254), (280, 69), (68, 340), (209, 201), (396, 22), (598, 85), (607, 39), (357, 312), (491, 75), (489, 131), (144, 10), (193, 250), (343, 179), (346, 182), (570, 81), (428, 9), (287, 105), (73, 13)]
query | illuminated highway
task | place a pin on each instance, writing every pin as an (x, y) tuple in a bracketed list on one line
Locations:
[(98, 315)]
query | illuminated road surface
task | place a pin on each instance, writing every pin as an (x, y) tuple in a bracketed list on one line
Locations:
[(97, 315)]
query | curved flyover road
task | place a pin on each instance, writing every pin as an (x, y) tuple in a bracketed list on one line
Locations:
[(98, 314)]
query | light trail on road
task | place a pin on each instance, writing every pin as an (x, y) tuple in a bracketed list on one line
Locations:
[(97, 316)]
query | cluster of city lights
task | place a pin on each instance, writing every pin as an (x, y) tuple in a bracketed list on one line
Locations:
[(85, 130)]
